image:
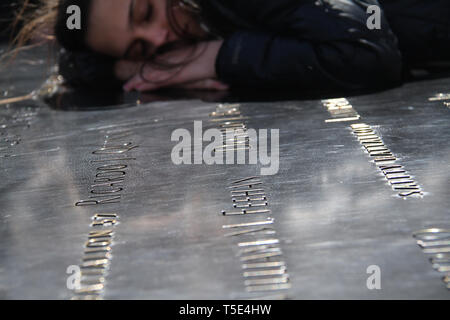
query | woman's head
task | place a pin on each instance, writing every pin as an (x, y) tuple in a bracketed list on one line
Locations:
[(131, 29)]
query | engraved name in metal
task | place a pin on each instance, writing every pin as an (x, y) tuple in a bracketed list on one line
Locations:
[(233, 128), (441, 97), (340, 110), (107, 189), (264, 269), (435, 242), (108, 183), (96, 257), (397, 176)]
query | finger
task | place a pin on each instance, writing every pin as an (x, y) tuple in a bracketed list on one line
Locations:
[(133, 83), (153, 79), (207, 84), (197, 69), (125, 69), (139, 84)]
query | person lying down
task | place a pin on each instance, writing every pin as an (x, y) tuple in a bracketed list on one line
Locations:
[(303, 45)]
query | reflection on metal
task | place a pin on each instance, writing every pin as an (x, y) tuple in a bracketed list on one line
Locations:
[(263, 265), (272, 297), (442, 257), (234, 129), (436, 241), (263, 273), (441, 268), (220, 150), (425, 244), (13, 123), (251, 205), (262, 256), (249, 224), (243, 212), (432, 234), (437, 250), (341, 110), (251, 231), (229, 119), (259, 249), (258, 243), (246, 192), (248, 199), (250, 185), (104, 219), (230, 112), (356, 118), (385, 160), (269, 287), (113, 159), (244, 180), (440, 97), (276, 280), (48, 88)]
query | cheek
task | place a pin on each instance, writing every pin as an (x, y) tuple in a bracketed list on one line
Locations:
[(106, 39), (111, 47)]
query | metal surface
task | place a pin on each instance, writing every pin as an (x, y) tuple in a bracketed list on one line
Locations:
[(334, 212)]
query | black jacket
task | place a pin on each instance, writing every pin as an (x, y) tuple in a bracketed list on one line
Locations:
[(422, 27), (303, 44)]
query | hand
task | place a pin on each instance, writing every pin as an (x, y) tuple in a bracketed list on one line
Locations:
[(126, 69), (199, 73), (207, 84)]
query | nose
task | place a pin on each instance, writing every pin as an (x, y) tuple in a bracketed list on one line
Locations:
[(156, 36)]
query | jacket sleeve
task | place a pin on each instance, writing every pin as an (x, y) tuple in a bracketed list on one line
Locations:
[(310, 45)]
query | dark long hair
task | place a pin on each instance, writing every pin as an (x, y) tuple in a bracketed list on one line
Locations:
[(187, 40)]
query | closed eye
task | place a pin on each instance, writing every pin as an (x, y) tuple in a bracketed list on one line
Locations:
[(139, 49), (149, 13), (142, 12)]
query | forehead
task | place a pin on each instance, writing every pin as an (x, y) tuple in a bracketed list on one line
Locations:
[(108, 31)]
